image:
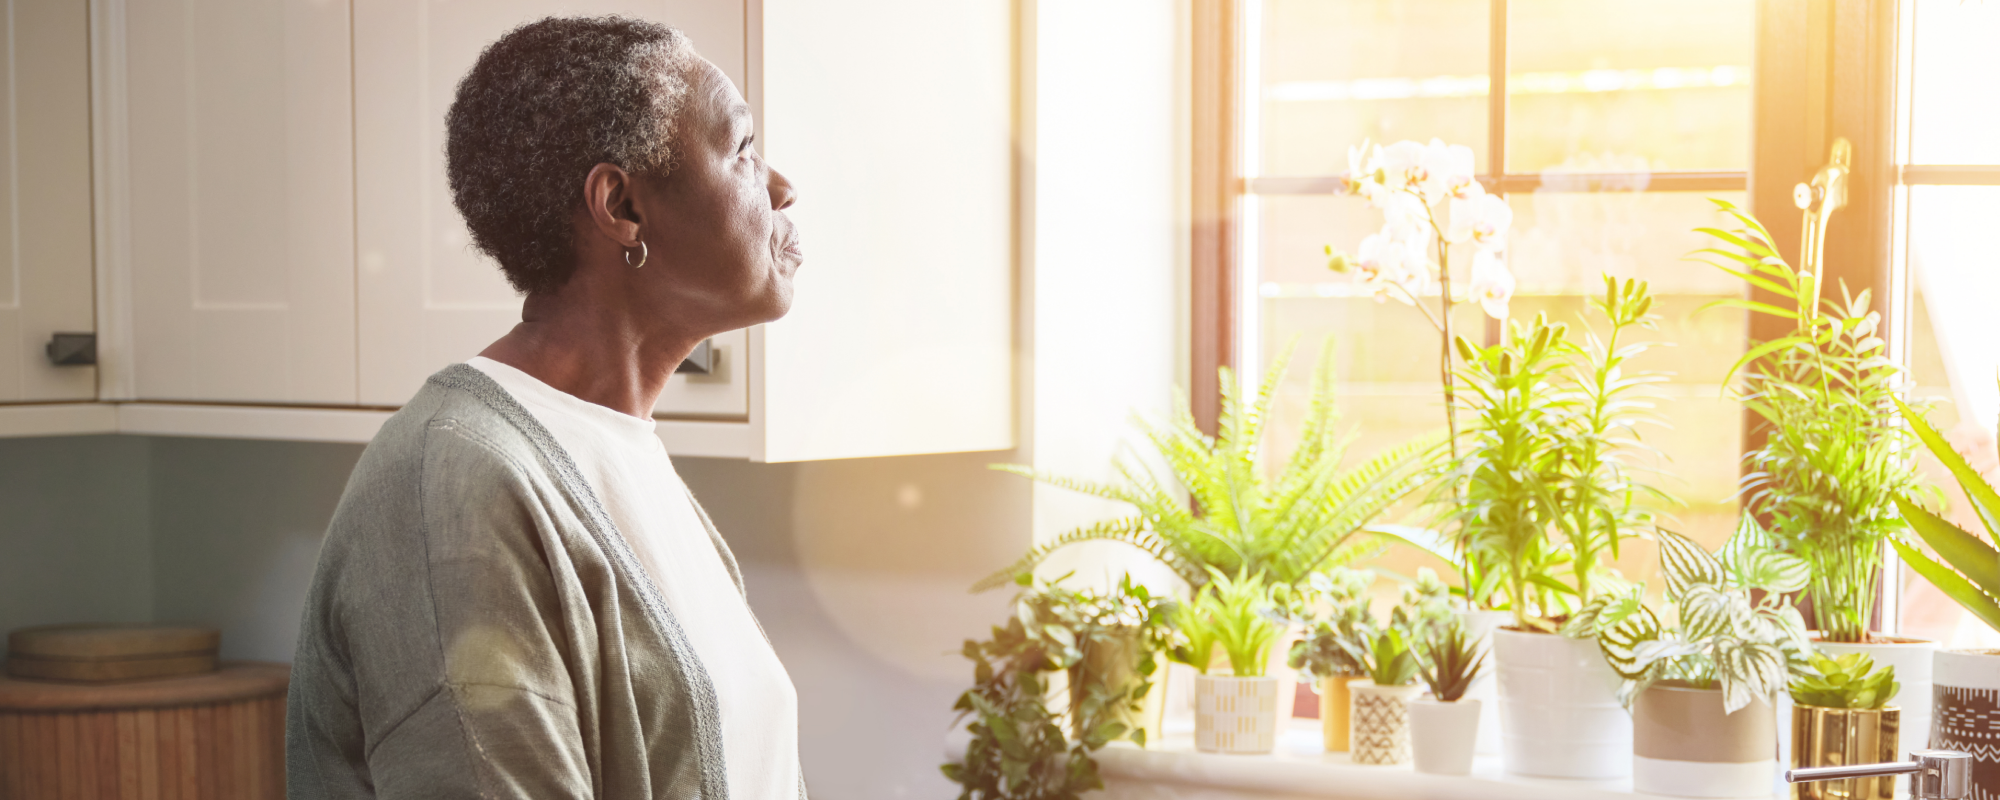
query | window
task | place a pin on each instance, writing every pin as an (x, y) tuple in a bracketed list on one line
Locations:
[(1605, 123)]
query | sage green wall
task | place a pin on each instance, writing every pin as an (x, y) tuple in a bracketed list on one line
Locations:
[(74, 542)]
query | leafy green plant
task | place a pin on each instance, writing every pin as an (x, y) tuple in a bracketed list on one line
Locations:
[(1234, 614), (1836, 456), (1850, 681), (1342, 594), (1350, 642), (1966, 569), (1308, 517), (1018, 749), (1451, 663), (1727, 637)]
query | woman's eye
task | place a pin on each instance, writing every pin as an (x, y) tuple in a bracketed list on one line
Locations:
[(745, 147)]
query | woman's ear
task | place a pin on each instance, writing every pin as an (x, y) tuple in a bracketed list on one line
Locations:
[(608, 197)]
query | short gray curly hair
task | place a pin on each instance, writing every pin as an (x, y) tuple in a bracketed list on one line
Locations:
[(543, 105)]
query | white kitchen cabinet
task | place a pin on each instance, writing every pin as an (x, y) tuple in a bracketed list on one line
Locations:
[(894, 120), (45, 233), (236, 211)]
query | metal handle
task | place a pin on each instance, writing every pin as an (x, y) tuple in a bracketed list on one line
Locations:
[(1939, 774), (701, 361)]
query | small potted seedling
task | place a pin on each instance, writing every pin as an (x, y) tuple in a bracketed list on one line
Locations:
[(1841, 715), (1444, 724), (1236, 713)]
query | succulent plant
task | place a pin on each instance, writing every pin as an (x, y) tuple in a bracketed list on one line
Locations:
[(1452, 663), (1850, 681)]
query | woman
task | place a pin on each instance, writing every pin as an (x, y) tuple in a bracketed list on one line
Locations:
[(518, 597)]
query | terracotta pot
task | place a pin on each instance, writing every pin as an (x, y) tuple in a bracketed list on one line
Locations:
[(1118, 661), (1479, 627), (1831, 737), (1235, 715), (1379, 729), (1967, 696), (1685, 746), (1334, 703), (1443, 735), (1912, 660), (1559, 710)]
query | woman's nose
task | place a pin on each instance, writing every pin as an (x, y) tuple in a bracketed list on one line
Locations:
[(782, 194)]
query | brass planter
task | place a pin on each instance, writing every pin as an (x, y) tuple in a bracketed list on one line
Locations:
[(1831, 737)]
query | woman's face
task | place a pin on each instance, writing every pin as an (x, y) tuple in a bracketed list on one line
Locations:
[(720, 248)]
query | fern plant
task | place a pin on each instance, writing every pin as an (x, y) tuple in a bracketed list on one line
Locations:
[(1836, 458), (1308, 517)]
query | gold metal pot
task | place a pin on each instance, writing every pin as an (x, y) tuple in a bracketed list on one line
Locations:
[(1831, 737), (1334, 705)]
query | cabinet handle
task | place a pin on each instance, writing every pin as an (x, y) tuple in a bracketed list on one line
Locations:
[(699, 362), (73, 349)]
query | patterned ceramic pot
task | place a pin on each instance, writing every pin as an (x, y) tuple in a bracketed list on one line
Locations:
[(1379, 722), (1966, 713), (1684, 745), (1235, 715)]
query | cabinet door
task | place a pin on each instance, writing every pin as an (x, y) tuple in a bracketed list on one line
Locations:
[(45, 234), (242, 208), (426, 298)]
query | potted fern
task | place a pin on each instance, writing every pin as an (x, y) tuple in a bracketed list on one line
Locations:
[(1236, 713), (1541, 500), (1841, 715), (1836, 457), (1444, 724), (1966, 568), (1702, 691)]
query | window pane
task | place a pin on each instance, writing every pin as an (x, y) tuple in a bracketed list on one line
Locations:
[(1628, 85), (1335, 73), (1954, 102), (1955, 362)]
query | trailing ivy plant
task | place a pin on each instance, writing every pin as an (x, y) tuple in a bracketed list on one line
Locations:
[(1307, 517), (1837, 453), (1734, 632), (1019, 749)]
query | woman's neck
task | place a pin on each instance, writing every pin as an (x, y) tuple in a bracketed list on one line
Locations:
[(590, 342)]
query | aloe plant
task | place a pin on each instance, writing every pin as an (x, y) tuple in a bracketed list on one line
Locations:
[(1967, 568), (1451, 663), (1308, 517), (1745, 644)]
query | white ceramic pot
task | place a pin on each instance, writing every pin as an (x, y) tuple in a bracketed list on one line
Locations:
[(1479, 627), (1967, 696), (1912, 660), (1559, 710), (1379, 722), (1443, 735), (1236, 715), (1683, 745)]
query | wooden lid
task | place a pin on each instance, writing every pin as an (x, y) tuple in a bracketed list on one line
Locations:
[(236, 680), (98, 642)]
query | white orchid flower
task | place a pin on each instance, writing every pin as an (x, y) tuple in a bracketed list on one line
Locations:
[(1465, 211), (1446, 169), (1492, 283), (1404, 216), (1491, 218), (1402, 164), (1360, 178)]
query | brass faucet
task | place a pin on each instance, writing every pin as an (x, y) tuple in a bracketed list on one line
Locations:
[(1939, 774)]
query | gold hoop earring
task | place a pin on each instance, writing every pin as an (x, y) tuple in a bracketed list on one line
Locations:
[(642, 256)]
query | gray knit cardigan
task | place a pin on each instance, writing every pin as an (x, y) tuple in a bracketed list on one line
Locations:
[(477, 628)]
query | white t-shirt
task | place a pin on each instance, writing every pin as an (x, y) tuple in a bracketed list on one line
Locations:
[(627, 466)]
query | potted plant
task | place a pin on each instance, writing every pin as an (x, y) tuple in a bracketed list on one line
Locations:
[(1444, 724), (1017, 747), (1966, 692), (1341, 595), (1235, 713), (1540, 500), (1702, 691), (1836, 454), (1385, 657), (1841, 715), (1107, 643)]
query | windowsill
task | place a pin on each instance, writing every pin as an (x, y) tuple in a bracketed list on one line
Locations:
[(1299, 768)]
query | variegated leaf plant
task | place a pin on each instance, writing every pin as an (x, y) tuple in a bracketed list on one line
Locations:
[(1726, 636)]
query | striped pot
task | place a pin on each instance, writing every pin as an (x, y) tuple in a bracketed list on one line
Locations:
[(1965, 695), (1235, 715), (1379, 722)]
